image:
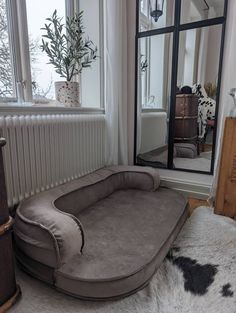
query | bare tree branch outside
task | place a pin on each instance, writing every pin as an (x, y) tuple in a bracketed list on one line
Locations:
[(6, 71)]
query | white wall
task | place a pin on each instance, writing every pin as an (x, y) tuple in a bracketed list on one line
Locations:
[(213, 53), (189, 62)]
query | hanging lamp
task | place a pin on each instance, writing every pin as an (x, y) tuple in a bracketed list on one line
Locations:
[(158, 11)]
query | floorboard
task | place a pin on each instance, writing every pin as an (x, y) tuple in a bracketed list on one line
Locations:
[(195, 203)]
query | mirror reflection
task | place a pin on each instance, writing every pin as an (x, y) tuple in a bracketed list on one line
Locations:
[(198, 66), (155, 14), (155, 59), (177, 107), (197, 10)]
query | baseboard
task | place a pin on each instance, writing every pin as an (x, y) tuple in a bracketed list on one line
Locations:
[(188, 188)]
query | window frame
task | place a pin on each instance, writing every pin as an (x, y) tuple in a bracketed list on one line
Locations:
[(20, 55)]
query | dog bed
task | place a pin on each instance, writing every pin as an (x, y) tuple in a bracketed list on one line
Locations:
[(102, 236)]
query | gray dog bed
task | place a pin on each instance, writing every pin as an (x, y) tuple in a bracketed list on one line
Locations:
[(102, 236)]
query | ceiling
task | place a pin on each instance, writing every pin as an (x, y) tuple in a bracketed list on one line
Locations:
[(216, 4)]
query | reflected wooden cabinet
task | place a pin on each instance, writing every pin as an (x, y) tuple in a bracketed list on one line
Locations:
[(226, 190), (186, 115)]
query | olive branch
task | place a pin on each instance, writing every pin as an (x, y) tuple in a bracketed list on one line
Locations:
[(66, 46)]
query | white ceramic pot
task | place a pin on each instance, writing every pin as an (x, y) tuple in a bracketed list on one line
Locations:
[(67, 93)]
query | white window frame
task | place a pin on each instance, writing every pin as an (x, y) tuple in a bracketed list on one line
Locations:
[(20, 55)]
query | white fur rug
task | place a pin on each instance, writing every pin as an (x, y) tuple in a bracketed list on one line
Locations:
[(198, 276)]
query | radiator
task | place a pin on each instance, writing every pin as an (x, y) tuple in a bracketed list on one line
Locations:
[(44, 151)]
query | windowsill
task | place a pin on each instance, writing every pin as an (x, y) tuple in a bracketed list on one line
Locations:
[(28, 108)]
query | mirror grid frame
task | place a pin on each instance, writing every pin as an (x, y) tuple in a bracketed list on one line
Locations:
[(175, 30)]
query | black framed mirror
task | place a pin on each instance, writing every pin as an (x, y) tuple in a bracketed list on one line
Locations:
[(179, 57)]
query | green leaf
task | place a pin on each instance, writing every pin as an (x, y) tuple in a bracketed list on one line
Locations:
[(67, 49)]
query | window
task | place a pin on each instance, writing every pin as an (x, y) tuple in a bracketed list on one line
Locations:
[(26, 75), (155, 53), (7, 86), (92, 76), (155, 71), (165, 20), (43, 74)]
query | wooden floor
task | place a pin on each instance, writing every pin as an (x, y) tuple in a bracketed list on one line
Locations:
[(195, 203), (207, 147)]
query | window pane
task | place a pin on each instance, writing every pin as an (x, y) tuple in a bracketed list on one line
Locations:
[(148, 16), (155, 71), (7, 88), (91, 77), (43, 74), (195, 10), (154, 82)]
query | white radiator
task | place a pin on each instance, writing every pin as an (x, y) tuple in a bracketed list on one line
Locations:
[(44, 151)]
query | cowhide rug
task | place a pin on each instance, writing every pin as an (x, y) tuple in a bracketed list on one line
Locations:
[(198, 276)]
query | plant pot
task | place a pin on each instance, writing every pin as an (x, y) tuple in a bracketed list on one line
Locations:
[(67, 93)]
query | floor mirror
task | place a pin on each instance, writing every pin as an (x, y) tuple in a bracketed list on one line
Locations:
[(179, 57)]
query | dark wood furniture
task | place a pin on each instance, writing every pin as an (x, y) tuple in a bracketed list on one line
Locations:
[(226, 190), (186, 116), (9, 291)]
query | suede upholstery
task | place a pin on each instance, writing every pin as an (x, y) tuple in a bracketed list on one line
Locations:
[(128, 223), (185, 150)]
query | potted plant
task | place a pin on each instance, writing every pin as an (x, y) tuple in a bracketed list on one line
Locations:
[(69, 52)]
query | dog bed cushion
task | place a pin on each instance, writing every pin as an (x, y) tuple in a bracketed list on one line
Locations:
[(118, 228), (185, 150)]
